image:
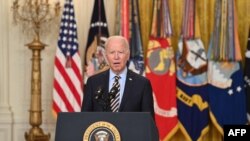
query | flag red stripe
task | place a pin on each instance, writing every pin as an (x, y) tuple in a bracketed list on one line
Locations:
[(56, 107), (68, 81), (77, 71), (61, 93)]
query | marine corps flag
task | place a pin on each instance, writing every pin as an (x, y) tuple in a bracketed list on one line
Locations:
[(192, 95), (247, 76), (227, 99), (160, 70), (95, 60)]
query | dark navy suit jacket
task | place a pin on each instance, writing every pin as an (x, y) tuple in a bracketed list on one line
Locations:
[(137, 95)]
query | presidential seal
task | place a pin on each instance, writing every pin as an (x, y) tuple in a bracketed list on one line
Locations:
[(101, 131)]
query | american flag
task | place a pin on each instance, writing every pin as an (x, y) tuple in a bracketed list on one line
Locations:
[(67, 92)]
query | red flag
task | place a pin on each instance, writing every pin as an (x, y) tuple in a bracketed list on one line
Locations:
[(67, 92), (160, 70), (125, 19)]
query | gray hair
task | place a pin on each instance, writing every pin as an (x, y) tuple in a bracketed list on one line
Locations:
[(121, 38)]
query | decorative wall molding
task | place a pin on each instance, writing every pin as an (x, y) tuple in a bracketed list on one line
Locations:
[(5, 132), (6, 117)]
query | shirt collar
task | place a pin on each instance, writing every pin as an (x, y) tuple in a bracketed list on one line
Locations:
[(122, 74)]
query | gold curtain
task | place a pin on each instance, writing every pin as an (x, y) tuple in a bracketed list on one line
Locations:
[(206, 18)]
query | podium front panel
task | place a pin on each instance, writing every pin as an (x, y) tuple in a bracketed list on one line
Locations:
[(132, 126)]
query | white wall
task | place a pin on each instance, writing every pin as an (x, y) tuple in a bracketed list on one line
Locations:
[(15, 68), (6, 118)]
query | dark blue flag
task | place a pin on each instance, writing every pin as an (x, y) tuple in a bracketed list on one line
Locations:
[(136, 61), (247, 76), (226, 94), (227, 98), (192, 92), (95, 60)]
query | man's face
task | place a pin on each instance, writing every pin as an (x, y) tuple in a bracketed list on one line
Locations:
[(117, 55)]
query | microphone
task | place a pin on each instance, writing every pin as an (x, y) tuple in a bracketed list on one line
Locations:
[(105, 99), (102, 99), (98, 93), (112, 93)]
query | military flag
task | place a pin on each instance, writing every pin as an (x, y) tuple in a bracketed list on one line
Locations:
[(136, 61), (67, 91), (247, 76), (192, 94), (227, 99), (160, 70), (128, 26), (95, 60)]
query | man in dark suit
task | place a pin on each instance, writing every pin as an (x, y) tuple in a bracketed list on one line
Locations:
[(133, 92)]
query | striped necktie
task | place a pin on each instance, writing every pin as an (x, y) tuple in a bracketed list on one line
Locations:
[(115, 91)]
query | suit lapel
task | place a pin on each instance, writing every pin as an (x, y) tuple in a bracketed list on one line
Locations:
[(106, 79), (127, 89)]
